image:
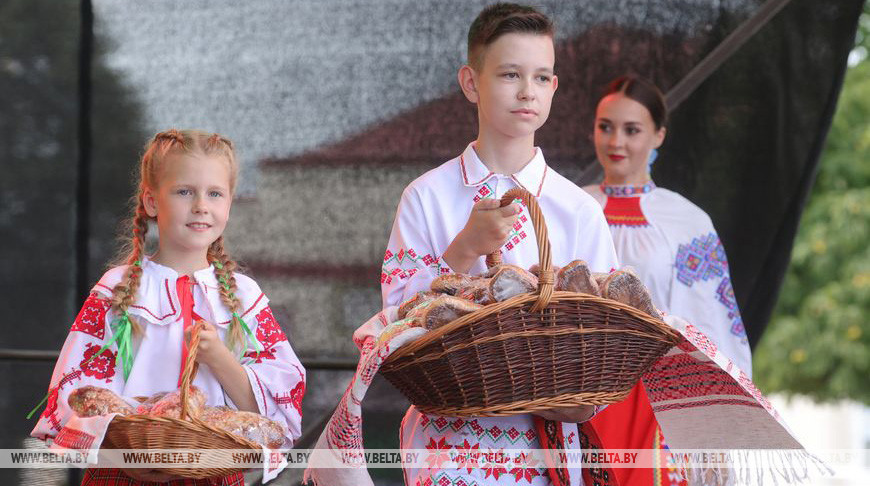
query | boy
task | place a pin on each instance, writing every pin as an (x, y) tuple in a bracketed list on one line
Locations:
[(449, 218)]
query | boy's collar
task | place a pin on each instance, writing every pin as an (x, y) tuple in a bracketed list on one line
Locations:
[(530, 177)]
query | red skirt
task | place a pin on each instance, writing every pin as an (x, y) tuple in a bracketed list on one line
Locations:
[(115, 477)]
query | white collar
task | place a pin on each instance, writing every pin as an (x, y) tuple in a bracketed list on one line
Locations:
[(203, 276), (157, 298), (531, 177)]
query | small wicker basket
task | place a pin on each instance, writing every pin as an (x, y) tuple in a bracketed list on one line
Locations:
[(535, 351), (188, 432)]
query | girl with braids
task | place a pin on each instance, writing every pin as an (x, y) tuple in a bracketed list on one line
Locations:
[(132, 332)]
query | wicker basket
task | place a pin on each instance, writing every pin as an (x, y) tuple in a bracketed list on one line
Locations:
[(535, 351), (150, 432)]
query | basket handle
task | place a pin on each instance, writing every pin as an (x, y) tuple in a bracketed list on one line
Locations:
[(546, 278), (190, 369)]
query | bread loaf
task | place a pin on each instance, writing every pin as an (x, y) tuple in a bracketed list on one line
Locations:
[(509, 281), (625, 286), (451, 283), (146, 403), (477, 291), (90, 401), (169, 405), (415, 301), (445, 309), (251, 426), (576, 277)]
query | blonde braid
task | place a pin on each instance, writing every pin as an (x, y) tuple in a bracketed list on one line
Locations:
[(224, 268), (124, 293)]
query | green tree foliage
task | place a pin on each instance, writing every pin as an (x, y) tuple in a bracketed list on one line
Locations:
[(818, 341)]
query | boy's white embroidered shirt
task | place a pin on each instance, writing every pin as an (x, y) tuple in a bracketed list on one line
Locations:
[(433, 210), (276, 376), (435, 207)]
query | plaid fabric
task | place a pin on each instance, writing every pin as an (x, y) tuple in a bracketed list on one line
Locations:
[(115, 477)]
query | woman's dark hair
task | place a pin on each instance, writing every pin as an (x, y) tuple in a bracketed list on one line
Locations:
[(645, 93)]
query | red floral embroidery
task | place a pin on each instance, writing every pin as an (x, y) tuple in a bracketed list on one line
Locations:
[(92, 318), (261, 355), (469, 456), (438, 453), (525, 468), (524, 472), (494, 464), (296, 396), (51, 409), (269, 333), (101, 367)]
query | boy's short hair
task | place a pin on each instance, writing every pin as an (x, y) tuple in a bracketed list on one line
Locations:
[(499, 19)]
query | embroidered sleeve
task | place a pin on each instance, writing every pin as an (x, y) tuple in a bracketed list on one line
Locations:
[(277, 377), (701, 293), (81, 363), (410, 262)]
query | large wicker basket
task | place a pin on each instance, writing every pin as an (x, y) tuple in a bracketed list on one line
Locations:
[(535, 351), (151, 432)]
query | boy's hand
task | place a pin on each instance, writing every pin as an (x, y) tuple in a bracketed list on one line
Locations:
[(580, 413), (211, 349), (487, 229)]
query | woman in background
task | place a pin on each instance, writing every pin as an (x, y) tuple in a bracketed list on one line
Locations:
[(673, 247)]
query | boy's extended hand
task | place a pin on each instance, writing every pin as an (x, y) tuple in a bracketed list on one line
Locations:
[(487, 229)]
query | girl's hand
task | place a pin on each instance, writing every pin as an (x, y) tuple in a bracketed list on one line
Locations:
[(211, 349), (225, 367), (577, 414)]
